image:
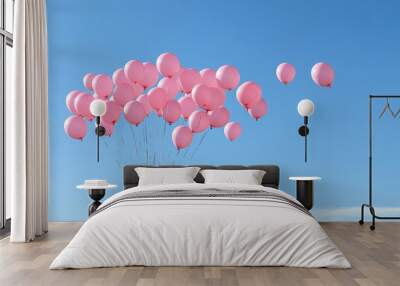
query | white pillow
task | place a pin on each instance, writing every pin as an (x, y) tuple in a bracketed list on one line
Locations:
[(248, 177), (166, 176)]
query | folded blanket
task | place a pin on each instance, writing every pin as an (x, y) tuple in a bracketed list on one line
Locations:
[(205, 193)]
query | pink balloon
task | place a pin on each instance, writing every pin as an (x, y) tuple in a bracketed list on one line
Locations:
[(82, 105), (134, 112), (95, 96), (150, 75), (126, 92), (143, 99), (248, 94), (285, 73), (322, 74), (157, 98), (208, 77), (219, 117), (171, 111), (171, 86), (168, 64), (202, 95), (102, 85), (199, 121), (217, 98), (88, 80), (259, 110), (182, 137), (188, 106), (188, 78), (108, 126), (134, 71), (113, 110), (137, 89), (119, 77), (70, 100), (232, 130), (228, 77), (75, 127)]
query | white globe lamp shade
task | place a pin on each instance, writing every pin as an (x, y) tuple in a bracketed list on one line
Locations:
[(98, 107), (305, 107)]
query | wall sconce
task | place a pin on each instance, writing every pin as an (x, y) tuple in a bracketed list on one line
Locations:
[(98, 108), (305, 108)]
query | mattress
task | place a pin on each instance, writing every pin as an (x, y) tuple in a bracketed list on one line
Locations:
[(201, 225)]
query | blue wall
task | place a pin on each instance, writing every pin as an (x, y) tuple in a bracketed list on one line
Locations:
[(358, 38)]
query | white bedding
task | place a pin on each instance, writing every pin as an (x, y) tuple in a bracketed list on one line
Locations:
[(200, 231)]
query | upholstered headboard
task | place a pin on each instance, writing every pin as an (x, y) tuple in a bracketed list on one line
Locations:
[(271, 177)]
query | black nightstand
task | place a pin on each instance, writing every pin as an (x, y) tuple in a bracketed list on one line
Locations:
[(305, 190), (96, 193)]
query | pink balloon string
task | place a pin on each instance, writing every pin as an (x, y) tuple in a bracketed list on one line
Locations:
[(200, 142), (133, 138), (186, 151), (146, 142)]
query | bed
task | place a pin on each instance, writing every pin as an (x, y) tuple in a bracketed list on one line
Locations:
[(198, 224)]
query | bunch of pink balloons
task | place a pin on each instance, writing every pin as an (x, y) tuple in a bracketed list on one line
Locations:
[(171, 91)]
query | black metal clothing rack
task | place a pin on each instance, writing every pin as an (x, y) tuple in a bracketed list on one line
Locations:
[(370, 204)]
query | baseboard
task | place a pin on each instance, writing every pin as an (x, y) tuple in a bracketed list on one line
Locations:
[(351, 213)]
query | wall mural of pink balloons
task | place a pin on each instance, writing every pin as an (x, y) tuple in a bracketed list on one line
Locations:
[(139, 88), (174, 92)]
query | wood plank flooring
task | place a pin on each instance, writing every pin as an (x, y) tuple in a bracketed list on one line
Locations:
[(375, 257)]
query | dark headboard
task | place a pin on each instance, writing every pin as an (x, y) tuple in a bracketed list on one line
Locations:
[(271, 177)]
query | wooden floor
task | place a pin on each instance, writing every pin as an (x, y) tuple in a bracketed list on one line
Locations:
[(375, 257)]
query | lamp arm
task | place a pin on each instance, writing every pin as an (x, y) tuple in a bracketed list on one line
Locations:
[(305, 148), (305, 138), (98, 138)]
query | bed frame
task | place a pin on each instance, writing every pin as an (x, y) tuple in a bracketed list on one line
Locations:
[(271, 177)]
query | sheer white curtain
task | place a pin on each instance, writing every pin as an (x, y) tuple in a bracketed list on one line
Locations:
[(26, 119)]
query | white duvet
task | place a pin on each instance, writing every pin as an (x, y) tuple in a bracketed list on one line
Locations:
[(200, 231)]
